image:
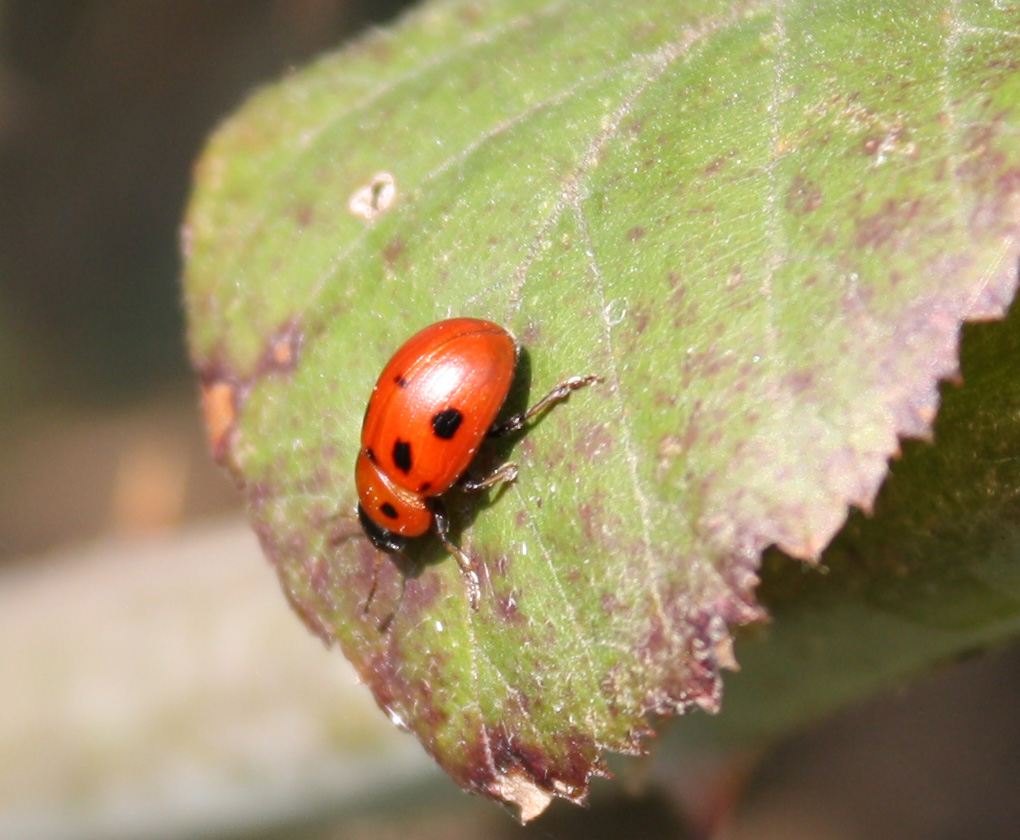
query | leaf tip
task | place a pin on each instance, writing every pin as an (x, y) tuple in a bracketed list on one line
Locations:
[(518, 789)]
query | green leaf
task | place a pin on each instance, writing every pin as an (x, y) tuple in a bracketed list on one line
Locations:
[(934, 574), (761, 223)]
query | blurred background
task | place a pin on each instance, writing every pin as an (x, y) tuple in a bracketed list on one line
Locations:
[(153, 682), (104, 106)]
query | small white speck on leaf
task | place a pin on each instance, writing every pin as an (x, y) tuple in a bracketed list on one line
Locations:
[(615, 311), (375, 198)]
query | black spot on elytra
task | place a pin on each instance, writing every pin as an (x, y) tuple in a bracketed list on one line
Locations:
[(402, 455), (424, 487), (401, 382), (388, 510), (446, 423)]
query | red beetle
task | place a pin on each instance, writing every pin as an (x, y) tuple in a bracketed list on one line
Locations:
[(435, 402)]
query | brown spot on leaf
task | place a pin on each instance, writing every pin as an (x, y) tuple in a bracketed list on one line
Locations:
[(735, 278), (597, 443), (803, 197), (635, 233), (506, 603), (219, 409), (894, 141), (304, 215), (798, 381), (392, 252), (670, 448), (891, 221), (470, 16), (282, 350), (642, 318)]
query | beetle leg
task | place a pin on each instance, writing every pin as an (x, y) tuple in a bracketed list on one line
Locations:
[(467, 568), (560, 392), (504, 473)]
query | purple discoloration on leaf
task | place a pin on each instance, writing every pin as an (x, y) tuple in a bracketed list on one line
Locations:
[(803, 196)]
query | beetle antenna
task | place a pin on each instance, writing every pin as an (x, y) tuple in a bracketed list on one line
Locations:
[(384, 625), (375, 583), (339, 537)]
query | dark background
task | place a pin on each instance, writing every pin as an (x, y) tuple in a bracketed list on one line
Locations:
[(104, 106)]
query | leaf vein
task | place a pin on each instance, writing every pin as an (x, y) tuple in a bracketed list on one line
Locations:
[(630, 451), (660, 61)]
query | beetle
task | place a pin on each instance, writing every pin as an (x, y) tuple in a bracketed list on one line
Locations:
[(434, 404)]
